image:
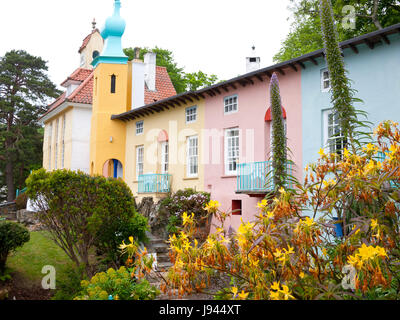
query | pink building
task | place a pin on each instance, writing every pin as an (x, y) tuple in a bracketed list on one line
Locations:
[(237, 121)]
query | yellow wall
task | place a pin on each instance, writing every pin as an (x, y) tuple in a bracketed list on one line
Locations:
[(95, 43), (105, 104), (173, 121), (67, 141)]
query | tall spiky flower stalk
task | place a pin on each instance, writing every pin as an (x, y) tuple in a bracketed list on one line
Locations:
[(279, 153), (342, 94)]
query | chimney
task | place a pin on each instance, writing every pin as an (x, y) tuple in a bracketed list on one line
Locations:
[(252, 62), (138, 69), (150, 70)]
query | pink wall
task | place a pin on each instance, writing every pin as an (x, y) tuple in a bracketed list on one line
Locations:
[(253, 101)]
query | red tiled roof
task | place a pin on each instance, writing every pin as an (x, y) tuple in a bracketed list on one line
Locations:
[(84, 93), (79, 74), (87, 39), (164, 87)]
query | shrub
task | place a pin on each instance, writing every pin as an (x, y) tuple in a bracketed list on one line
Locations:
[(116, 285), (187, 200), (70, 287), (21, 201), (12, 236), (81, 211)]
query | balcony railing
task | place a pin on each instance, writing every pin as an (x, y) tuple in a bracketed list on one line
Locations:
[(256, 177), (154, 183)]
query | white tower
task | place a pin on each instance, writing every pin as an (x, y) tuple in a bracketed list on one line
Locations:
[(253, 61)]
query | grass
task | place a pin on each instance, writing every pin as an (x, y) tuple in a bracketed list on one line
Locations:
[(40, 251)]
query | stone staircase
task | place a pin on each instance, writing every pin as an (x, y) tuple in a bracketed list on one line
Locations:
[(160, 247)]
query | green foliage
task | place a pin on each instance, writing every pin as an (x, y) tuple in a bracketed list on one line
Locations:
[(306, 37), (12, 236), (279, 152), (81, 211), (182, 81), (21, 201), (70, 286), (25, 90), (342, 95), (187, 200), (119, 284)]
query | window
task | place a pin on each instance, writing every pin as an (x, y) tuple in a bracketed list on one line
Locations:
[(50, 142), (333, 136), (139, 127), (192, 156), (231, 151), (63, 143), (139, 161), (113, 83), (237, 207), (56, 146), (231, 104), (164, 157), (325, 80), (95, 54), (191, 114)]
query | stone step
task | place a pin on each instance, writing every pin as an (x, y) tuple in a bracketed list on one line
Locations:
[(163, 258), (164, 265), (159, 248)]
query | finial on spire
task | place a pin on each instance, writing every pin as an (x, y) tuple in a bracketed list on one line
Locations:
[(94, 23)]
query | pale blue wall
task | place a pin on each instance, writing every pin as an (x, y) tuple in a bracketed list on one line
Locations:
[(376, 76)]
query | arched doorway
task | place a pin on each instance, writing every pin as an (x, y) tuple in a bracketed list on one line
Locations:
[(113, 168)]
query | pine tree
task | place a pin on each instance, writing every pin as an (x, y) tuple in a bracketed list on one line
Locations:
[(25, 90)]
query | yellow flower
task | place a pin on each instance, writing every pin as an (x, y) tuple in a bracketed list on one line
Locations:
[(282, 190), (286, 292), (262, 204), (234, 290), (243, 295), (302, 275), (274, 295), (308, 222), (270, 215), (275, 286), (212, 205), (187, 219), (374, 224), (321, 152), (346, 153)]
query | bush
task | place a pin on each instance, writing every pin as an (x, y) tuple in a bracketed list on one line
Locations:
[(21, 201), (81, 211), (70, 287), (187, 200), (12, 236), (119, 284)]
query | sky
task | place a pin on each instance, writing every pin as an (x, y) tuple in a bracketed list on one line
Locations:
[(214, 36)]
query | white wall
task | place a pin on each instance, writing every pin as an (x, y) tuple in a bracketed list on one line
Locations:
[(81, 122)]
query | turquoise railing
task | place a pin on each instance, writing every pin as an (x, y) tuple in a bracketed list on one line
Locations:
[(257, 176), (20, 192), (154, 183)]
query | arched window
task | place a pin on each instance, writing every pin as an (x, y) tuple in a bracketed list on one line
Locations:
[(95, 54), (113, 83)]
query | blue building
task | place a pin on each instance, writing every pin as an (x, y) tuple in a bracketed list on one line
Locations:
[(373, 63)]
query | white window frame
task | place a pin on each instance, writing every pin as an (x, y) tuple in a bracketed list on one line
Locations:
[(139, 161), (326, 138), (139, 129), (191, 114), (192, 160), (231, 155), (164, 157), (323, 80), (233, 110)]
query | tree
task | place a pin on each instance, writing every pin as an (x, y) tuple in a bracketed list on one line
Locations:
[(25, 90), (182, 81), (306, 37), (81, 212)]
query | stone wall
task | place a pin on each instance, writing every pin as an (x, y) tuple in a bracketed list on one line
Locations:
[(8, 210), (158, 219)]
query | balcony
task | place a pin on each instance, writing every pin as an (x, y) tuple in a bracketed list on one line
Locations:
[(154, 183), (255, 179)]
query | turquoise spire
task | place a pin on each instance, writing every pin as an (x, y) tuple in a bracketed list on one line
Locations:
[(112, 32)]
